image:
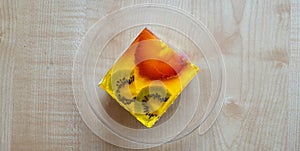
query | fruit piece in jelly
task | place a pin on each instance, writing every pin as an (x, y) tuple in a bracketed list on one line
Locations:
[(157, 61)]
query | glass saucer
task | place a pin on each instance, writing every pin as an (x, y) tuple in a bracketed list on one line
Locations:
[(196, 108)]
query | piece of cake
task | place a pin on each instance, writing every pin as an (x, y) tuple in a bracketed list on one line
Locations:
[(148, 77)]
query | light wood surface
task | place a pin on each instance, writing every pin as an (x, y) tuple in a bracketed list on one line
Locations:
[(259, 40), (294, 79)]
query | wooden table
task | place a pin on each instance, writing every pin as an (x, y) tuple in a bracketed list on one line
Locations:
[(260, 41)]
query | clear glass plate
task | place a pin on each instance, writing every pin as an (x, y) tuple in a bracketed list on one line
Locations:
[(196, 108)]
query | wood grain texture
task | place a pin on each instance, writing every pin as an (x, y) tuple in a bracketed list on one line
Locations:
[(44, 113), (7, 62), (294, 79), (38, 41)]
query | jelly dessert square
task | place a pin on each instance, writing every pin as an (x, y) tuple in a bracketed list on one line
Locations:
[(148, 77)]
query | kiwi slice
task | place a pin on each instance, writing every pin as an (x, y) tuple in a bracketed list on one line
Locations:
[(150, 99), (122, 84)]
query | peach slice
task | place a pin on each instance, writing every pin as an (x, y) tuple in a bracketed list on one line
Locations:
[(157, 61)]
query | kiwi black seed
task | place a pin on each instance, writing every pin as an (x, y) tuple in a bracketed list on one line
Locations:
[(122, 82), (151, 98)]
